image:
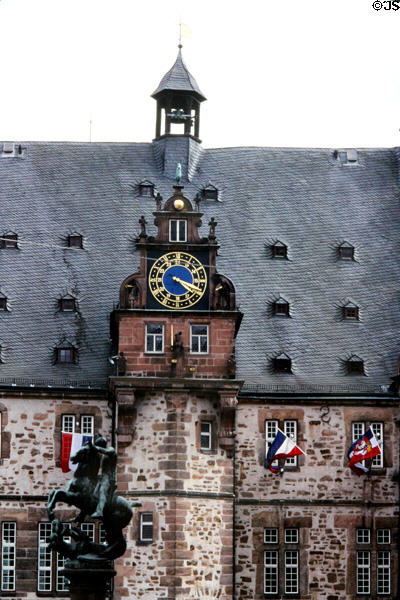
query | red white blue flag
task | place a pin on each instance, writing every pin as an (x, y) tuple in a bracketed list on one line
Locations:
[(281, 447), (365, 447), (70, 443)]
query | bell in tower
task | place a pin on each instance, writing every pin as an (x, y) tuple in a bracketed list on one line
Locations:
[(178, 102)]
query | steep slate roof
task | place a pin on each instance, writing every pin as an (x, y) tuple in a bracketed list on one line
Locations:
[(303, 197), (178, 78)]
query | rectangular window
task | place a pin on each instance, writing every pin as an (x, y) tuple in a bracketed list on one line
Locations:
[(87, 424), (65, 355), (363, 572), (271, 429), (102, 534), (377, 430), (270, 572), (383, 572), (357, 430), (68, 424), (363, 536), (292, 536), (88, 529), (383, 536), (8, 543), (44, 558), (205, 435), (177, 230), (291, 572), (199, 339), (290, 429), (61, 581), (155, 338), (271, 535), (10, 240), (146, 527)]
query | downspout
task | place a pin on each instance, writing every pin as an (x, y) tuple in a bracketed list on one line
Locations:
[(234, 516)]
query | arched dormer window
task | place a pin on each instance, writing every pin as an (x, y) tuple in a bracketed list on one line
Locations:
[(9, 240), (355, 365), (281, 307), (68, 303), (3, 302), (346, 251), (210, 192), (75, 240), (350, 312), (282, 363), (146, 189), (279, 250)]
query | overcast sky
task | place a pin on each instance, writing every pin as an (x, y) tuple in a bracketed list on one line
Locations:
[(275, 72)]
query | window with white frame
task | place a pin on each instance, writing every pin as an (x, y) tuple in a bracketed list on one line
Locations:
[(271, 429), (45, 559), (271, 535), (205, 435), (146, 527), (363, 536), (199, 339), (87, 424), (291, 535), (8, 553), (61, 581), (383, 572), (177, 230), (359, 428), (271, 566), (363, 572), (290, 429), (155, 338), (291, 572), (102, 534), (68, 424), (383, 536)]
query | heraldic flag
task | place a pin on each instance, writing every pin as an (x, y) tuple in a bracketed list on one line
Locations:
[(281, 447), (70, 443), (365, 447)]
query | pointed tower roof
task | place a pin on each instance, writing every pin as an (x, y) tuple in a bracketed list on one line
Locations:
[(179, 79)]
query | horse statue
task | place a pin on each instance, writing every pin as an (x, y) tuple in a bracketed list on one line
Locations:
[(95, 496)]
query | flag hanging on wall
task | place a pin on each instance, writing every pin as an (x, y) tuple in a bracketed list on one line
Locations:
[(281, 447), (365, 447), (70, 443)]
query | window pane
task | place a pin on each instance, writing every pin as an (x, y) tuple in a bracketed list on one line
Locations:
[(87, 425), (172, 231), (182, 231), (363, 573), (8, 556), (146, 527), (205, 435), (358, 429), (271, 535), (383, 572), (290, 429), (291, 536), (363, 536), (68, 423), (377, 430), (383, 536), (270, 572), (291, 572)]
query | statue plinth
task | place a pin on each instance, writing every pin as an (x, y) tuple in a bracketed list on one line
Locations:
[(89, 582)]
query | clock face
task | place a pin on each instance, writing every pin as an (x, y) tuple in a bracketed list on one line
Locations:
[(177, 280)]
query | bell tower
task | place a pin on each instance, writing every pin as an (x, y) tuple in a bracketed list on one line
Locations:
[(178, 102), (175, 396)]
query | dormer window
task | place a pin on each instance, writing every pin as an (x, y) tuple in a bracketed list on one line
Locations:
[(3, 302), (177, 230), (68, 304), (350, 311), (75, 240), (146, 189), (282, 364), (281, 308), (65, 355), (9, 240), (210, 192), (355, 365), (346, 251), (279, 250)]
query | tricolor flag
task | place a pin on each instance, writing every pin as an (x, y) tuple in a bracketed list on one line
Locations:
[(70, 443), (365, 447), (281, 447)]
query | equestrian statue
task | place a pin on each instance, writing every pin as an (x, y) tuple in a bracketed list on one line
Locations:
[(95, 495)]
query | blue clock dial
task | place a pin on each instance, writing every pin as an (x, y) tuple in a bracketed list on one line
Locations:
[(177, 280), (173, 277)]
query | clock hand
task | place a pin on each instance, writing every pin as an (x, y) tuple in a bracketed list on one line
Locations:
[(188, 286)]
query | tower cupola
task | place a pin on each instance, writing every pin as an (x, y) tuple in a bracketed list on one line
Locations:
[(178, 99)]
